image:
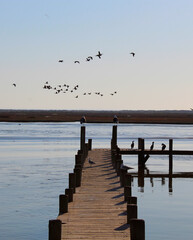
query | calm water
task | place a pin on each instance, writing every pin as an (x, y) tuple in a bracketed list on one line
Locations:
[(36, 158)]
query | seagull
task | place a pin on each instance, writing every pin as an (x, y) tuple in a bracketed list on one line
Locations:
[(125, 167), (76, 62), (60, 61), (132, 145), (89, 57), (163, 146), (133, 54), (91, 162), (152, 145), (99, 54), (14, 84)]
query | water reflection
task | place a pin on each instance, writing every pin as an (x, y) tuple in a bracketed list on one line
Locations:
[(143, 172)]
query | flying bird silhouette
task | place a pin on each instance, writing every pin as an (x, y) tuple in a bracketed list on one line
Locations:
[(133, 54), (60, 61), (99, 54), (14, 84), (76, 62)]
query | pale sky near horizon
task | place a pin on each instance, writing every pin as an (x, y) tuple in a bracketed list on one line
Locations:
[(35, 34)]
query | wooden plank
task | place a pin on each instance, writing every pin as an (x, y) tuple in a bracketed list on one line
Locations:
[(155, 152), (98, 210)]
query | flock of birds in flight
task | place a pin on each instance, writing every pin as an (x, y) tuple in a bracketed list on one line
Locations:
[(66, 88)]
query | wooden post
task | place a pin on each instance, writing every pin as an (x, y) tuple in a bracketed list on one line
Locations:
[(69, 193), (127, 192), (118, 165), (170, 184), (137, 229), (78, 172), (82, 138), (122, 177), (114, 137), (128, 179), (89, 144), (141, 153), (78, 159), (131, 212), (170, 157), (72, 181), (55, 229), (131, 200), (63, 204)]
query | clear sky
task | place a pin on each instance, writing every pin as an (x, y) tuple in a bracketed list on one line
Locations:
[(35, 34)]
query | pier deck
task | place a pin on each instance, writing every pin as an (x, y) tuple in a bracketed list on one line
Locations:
[(98, 210)]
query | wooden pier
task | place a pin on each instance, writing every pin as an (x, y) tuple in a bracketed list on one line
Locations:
[(98, 203), (98, 210)]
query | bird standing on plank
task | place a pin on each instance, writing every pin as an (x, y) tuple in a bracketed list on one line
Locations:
[(132, 145), (91, 162), (152, 146), (163, 146)]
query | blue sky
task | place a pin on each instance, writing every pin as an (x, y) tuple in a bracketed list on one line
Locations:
[(36, 34)]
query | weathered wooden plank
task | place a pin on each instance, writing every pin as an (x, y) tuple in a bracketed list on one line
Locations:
[(155, 152), (98, 210)]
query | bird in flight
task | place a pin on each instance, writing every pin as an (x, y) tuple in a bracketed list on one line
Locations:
[(60, 61), (89, 57), (133, 54), (76, 62), (14, 84), (99, 54)]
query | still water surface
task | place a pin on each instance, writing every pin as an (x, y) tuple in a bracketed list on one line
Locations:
[(36, 158)]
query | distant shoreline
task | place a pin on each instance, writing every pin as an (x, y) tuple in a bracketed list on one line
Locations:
[(99, 116)]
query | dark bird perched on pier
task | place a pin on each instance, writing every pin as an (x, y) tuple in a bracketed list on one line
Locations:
[(132, 145), (99, 54), (152, 146), (115, 119), (60, 61), (133, 54), (82, 120), (163, 146), (91, 162), (76, 62), (125, 167), (14, 84)]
